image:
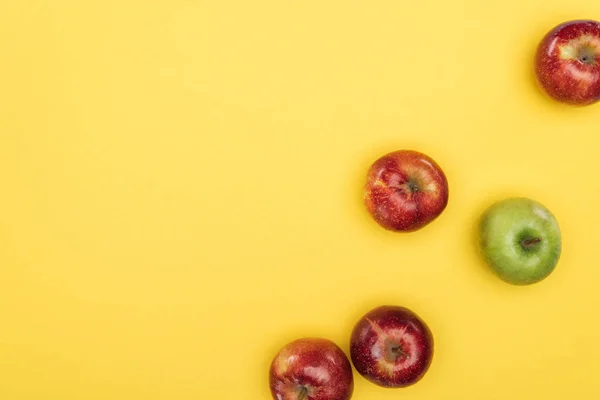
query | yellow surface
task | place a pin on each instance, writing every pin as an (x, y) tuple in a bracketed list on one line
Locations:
[(181, 194)]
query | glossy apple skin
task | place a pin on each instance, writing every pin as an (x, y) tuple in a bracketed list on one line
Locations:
[(311, 369), (391, 346), (567, 62), (520, 240), (405, 190)]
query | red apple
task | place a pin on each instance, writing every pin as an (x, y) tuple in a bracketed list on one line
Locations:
[(311, 369), (405, 190), (391, 346), (567, 62)]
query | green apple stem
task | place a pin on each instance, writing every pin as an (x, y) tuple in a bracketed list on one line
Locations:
[(302, 393), (529, 243)]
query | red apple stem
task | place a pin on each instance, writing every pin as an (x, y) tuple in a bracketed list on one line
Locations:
[(529, 242)]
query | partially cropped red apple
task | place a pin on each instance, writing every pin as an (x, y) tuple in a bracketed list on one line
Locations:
[(391, 346), (567, 62), (311, 369), (405, 190)]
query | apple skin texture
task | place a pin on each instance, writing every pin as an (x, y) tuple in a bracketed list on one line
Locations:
[(567, 62), (311, 369), (520, 240), (405, 190), (391, 346)]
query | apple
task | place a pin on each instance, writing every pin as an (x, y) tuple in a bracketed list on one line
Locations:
[(567, 62), (391, 346), (311, 369), (520, 240), (405, 190)]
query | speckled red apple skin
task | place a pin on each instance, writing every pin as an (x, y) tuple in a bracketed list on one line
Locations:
[(568, 81), (389, 201), (315, 363), (403, 327)]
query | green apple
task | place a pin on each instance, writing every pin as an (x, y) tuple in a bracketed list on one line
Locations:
[(520, 240)]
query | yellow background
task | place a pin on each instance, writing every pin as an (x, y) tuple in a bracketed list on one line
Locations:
[(182, 180)]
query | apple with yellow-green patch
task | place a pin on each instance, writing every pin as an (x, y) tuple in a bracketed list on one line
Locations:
[(567, 62), (391, 346), (311, 369)]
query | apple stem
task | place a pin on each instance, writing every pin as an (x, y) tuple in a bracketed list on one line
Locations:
[(399, 350), (412, 186), (528, 243), (303, 394)]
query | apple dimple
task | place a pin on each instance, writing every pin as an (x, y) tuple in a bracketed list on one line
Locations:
[(529, 240), (292, 390), (395, 349), (530, 244), (303, 393), (588, 55), (583, 49)]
